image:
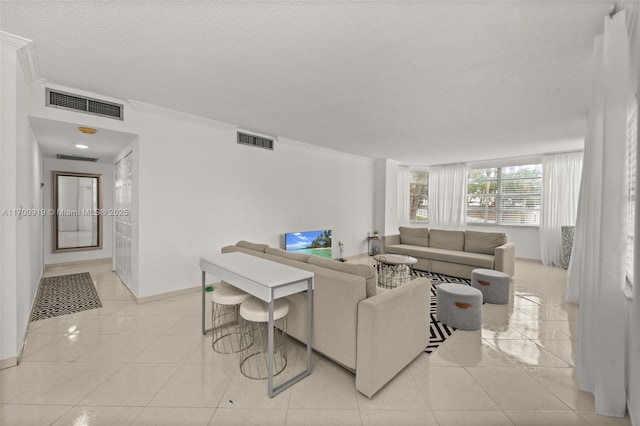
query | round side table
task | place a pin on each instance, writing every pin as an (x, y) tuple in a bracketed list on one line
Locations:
[(393, 269)]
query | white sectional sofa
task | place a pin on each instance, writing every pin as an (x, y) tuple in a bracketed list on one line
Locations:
[(374, 335), (454, 253)]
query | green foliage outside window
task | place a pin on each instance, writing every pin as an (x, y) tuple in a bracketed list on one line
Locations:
[(505, 195), (418, 195)]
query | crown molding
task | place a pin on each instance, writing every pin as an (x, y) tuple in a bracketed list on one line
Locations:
[(13, 41), (182, 115), (318, 148), (26, 55)]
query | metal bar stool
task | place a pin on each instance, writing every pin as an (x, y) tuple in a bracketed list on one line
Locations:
[(254, 359), (225, 319)]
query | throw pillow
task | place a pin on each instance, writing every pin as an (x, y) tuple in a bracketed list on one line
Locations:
[(483, 242), (414, 236), (252, 246), (449, 240)]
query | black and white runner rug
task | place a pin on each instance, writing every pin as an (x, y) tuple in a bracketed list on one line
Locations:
[(439, 331), (65, 294)]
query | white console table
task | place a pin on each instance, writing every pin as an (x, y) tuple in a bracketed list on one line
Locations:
[(267, 281)]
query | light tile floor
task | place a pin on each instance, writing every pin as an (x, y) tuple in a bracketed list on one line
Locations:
[(148, 364)]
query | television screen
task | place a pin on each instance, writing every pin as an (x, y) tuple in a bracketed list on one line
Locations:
[(317, 243)]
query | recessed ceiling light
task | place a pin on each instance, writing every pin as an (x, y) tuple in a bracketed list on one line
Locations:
[(87, 130), (81, 146)]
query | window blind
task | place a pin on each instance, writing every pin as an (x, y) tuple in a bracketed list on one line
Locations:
[(505, 195), (521, 192)]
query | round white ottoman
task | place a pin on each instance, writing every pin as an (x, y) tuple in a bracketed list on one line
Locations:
[(225, 318), (459, 306), (254, 358), (494, 285)]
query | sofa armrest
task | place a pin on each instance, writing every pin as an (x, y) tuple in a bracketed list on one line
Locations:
[(388, 240), (506, 259), (393, 329)]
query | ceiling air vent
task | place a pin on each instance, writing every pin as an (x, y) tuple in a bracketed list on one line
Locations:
[(253, 140), (75, 157), (71, 102)]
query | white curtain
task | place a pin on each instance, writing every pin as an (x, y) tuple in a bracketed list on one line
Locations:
[(403, 196), (597, 268), (448, 196), (561, 187)]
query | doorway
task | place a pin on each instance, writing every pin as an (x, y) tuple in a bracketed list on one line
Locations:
[(123, 223)]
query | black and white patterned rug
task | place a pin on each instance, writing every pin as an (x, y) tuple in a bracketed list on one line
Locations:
[(65, 294), (439, 331)]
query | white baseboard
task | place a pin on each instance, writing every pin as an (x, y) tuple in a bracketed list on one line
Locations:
[(527, 259), (166, 295), (104, 260), (26, 331)]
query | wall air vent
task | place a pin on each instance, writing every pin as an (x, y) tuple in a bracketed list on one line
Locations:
[(71, 102), (253, 140), (75, 157)]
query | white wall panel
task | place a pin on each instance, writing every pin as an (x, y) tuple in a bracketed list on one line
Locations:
[(199, 191)]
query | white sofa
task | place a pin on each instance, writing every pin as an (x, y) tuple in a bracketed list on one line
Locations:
[(374, 335), (454, 253)]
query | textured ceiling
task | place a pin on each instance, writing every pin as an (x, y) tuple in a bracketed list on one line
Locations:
[(429, 82)]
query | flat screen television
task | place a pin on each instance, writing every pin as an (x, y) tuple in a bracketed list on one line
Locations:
[(317, 243)]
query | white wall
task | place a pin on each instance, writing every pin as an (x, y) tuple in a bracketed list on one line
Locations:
[(391, 223), (30, 228), (379, 201), (106, 170), (20, 173), (633, 305), (8, 229), (199, 191)]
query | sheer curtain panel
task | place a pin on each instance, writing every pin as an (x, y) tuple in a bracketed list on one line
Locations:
[(448, 196), (597, 268), (403, 196), (561, 188)]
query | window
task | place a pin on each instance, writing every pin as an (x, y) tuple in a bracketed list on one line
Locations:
[(419, 195), (632, 141), (482, 195), (505, 195)]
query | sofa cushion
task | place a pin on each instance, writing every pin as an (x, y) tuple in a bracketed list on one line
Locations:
[(300, 257), (483, 242), (461, 257), (252, 246), (448, 240), (414, 236), (350, 268), (477, 260)]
